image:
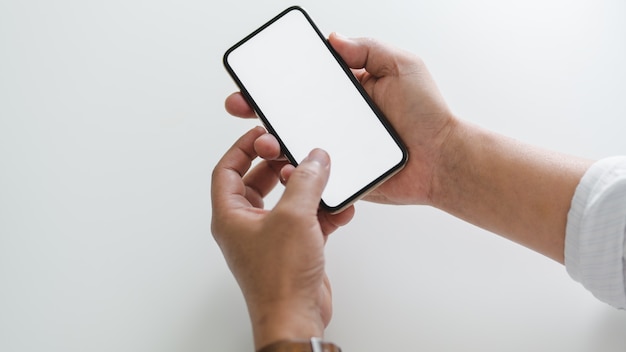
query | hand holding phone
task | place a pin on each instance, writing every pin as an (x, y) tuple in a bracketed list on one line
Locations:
[(308, 98)]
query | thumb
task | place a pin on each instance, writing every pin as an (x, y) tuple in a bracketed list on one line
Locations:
[(306, 183), (375, 57)]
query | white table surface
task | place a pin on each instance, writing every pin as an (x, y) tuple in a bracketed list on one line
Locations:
[(111, 119)]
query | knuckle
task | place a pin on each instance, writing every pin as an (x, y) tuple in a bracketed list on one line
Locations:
[(221, 225), (216, 229), (368, 41)]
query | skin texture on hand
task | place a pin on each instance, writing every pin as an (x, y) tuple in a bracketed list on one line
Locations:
[(277, 256), (518, 191)]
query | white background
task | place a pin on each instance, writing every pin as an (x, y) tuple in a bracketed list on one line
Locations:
[(111, 119)]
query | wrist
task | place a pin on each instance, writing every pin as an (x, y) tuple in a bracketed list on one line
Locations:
[(449, 146), (464, 159), (272, 323)]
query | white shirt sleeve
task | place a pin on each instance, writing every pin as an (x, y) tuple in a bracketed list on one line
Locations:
[(596, 227)]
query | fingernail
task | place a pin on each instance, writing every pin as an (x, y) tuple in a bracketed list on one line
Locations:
[(319, 156), (340, 36)]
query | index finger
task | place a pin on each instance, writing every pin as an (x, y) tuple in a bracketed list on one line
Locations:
[(237, 105), (227, 181)]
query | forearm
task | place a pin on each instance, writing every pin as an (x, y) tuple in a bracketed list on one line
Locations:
[(520, 192)]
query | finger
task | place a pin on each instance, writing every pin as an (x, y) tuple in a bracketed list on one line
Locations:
[(331, 222), (360, 74), (285, 173), (261, 180), (227, 184), (268, 148), (377, 58), (306, 183), (237, 105)]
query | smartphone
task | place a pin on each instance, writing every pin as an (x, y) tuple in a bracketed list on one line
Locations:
[(307, 97)]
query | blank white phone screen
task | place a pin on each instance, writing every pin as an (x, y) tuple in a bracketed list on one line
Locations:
[(309, 101)]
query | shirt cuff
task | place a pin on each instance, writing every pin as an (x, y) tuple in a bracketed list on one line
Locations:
[(594, 236)]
